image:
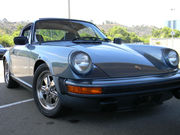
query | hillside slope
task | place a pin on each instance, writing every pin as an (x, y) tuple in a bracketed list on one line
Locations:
[(140, 30)]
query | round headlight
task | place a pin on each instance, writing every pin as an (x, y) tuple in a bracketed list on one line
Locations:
[(81, 62), (173, 58)]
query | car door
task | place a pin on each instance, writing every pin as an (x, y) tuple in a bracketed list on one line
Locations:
[(20, 58)]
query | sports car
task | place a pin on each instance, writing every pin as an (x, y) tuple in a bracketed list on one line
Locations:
[(72, 64)]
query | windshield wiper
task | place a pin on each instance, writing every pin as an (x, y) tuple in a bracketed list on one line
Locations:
[(86, 38), (106, 40), (90, 39)]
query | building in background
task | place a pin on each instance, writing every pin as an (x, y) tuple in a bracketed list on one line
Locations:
[(166, 42), (174, 24)]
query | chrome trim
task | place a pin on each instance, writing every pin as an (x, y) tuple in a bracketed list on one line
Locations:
[(21, 81)]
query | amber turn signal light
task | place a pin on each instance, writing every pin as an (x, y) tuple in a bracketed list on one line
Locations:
[(84, 90)]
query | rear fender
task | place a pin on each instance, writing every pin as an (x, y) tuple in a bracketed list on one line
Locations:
[(6, 58)]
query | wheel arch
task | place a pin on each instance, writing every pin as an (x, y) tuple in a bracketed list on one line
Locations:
[(6, 58), (38, 63)]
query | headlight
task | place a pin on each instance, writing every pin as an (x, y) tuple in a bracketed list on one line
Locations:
[(173, 58), (81, 62)]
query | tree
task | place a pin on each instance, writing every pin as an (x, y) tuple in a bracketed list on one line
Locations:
[(156, 33), (164, 32), (7, 39), (121, 32)]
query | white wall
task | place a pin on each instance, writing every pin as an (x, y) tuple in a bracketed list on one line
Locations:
[(167, 42)]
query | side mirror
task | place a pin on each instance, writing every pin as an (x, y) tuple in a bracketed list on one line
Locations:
[(20, 40), (117, 40)]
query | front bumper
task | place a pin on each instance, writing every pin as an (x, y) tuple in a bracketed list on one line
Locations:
[(130, 86), (123, 92)]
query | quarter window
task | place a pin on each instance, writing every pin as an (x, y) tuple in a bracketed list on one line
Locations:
[(27, 33)]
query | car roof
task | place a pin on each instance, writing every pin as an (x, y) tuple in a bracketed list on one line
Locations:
[(49, 19), (62, 19)]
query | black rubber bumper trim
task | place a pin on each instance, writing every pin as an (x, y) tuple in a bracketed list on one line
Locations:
[(172, 81), (123, 81)]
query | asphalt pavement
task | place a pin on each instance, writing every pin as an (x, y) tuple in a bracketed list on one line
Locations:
[(19, 116)]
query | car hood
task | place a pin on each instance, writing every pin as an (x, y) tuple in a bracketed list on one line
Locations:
[(122, 61)]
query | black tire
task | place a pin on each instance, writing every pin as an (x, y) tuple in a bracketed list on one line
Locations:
[(10, 83), (41, 72), (176, 94)]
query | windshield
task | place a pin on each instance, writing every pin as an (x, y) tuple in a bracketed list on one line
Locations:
[(66, 30)]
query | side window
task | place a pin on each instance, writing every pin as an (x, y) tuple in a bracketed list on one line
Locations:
[(45, 35)]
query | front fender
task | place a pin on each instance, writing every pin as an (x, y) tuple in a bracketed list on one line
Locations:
[(41, 60), (155, 51), (57, 59), (155, 54)]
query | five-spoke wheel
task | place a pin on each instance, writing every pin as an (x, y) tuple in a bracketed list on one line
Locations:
[(46, 96), (10, 83), (46, 91)]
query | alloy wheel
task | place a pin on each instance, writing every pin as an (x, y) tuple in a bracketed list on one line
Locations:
[(46, 91), (6, 73)]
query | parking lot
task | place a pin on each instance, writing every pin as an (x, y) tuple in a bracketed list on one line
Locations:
[(19, 115)]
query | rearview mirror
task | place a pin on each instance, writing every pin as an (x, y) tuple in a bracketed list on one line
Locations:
[(117, 40), (20, 40)]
